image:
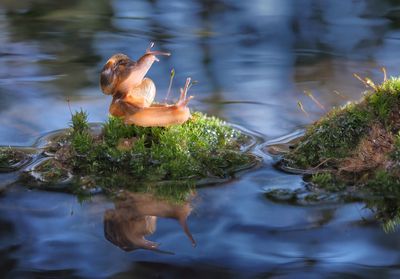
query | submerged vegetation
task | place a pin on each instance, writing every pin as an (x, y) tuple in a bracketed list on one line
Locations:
[(165, 161), (355, 150)]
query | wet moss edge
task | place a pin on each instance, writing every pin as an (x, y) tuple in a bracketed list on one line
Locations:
[(355, 144), (168, 162)]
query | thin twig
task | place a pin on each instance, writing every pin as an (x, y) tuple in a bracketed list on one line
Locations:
[(320, 164), (69, 105)]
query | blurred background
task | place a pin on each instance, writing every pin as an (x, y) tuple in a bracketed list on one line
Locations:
[(253, 61)]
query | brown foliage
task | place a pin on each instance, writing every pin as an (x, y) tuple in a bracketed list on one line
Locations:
[(371, 152)]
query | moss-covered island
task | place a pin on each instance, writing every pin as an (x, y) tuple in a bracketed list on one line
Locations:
[(357, 144), (116, 156), (354, 149)]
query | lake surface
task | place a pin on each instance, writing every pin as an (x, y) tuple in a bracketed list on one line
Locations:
[(253, 60)]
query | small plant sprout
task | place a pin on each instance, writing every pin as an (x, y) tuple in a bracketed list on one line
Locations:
[(300, 105), (69, 106), (172, 75), (384, 74)]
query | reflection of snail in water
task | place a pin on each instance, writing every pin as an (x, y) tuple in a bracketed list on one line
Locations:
[(135, 216), (133, 93)]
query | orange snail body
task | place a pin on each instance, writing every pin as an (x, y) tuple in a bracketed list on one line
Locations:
[(162, 116), (133, 93)]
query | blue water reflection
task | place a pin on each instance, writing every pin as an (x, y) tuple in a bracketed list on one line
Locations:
[(253, 60)]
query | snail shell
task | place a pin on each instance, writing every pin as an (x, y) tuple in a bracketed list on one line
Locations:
[(142, 96)]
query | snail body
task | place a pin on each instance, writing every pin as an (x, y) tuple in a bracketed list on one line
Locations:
[(133, 93)]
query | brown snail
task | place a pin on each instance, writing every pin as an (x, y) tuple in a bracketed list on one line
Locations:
[(133, 93)]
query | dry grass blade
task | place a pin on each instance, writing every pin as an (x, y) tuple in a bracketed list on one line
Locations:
[(360, 79), (366, 81), (341, 95), (310, 95)]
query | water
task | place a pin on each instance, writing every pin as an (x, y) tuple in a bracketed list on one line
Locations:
[(253, 61)]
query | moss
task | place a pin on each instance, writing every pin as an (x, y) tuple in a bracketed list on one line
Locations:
[(202, 147), (7, 157), (386, 211), (354, 151), (385, 183), (51, 171), (82, 142), (384, 99), (323, 180), (12, 158), (338, 134), (167, 162), (334, 136), (47, 173), (79, 122), (328, 182)]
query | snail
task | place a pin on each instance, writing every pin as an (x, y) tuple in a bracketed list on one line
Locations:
[(133, 93)]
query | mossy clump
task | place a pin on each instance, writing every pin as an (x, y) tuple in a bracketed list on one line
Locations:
[(332, 137), (12, 158), (124, 156), (202, 147), (353, 154), (48, 173), (353, 144)]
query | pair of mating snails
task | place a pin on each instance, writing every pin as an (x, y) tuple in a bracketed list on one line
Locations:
[(133, 93)]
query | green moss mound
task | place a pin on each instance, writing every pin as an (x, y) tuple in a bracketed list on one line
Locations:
[(353, 151), (167, 162), (332, 137), (354, 143), (202, 147)]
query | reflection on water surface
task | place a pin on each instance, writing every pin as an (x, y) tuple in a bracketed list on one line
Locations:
[(135, 216), (253, 61)]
